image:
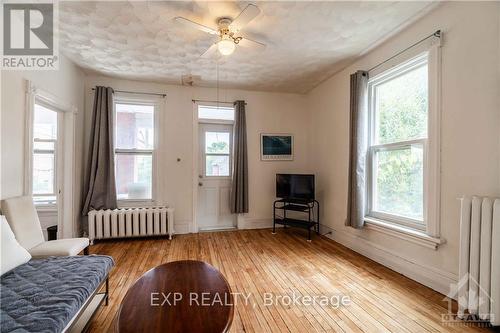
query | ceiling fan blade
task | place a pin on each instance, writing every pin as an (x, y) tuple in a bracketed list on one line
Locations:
[(249, 13), (195, 25), (249, 43), (210, 52)]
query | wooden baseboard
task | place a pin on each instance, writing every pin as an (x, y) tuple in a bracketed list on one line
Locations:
[(434, 278), (255, 223), (182, 227)]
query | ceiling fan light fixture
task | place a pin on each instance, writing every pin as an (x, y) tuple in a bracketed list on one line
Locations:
[(226, 46), (227, 32)]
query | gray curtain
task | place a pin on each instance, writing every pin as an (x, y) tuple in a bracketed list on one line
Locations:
[(358, 145), (239, 189), (99, 186)]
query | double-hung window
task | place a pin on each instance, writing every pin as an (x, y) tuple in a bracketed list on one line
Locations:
[(44, 176), (398, 156), (134, 149)]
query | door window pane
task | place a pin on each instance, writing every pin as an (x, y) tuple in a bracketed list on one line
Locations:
[(401, 107), (217, 142), (215, 113), (217, 165), (399, 182), (43, 173), (134, 176), (134, 126), (45, 123)]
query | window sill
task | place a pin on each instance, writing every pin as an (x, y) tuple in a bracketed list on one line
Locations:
[(216, 178), (407, 234), (135, 203), (46, 208)]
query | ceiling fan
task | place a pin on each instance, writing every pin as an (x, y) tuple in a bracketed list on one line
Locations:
[(228, 36)]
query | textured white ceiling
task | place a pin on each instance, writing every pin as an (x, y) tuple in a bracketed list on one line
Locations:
[(306, 41)]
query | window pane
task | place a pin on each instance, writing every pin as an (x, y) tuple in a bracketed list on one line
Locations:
[(401, 107), (134, 126), (213, 112), (217, 165), (134, 174), (399, 182), (45, 123), (43, 173), (217, 142)]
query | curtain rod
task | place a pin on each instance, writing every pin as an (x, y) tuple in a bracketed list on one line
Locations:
[(139, 93), (437, 34), (206, 101)]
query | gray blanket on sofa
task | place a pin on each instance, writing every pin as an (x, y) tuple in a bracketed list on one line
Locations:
[(43, 295)]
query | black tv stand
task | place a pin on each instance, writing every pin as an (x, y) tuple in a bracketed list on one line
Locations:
[(297, 205)]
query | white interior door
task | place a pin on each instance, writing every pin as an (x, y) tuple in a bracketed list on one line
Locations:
[(214, 180)]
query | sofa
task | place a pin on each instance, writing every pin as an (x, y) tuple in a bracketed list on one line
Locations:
[(48, 294)]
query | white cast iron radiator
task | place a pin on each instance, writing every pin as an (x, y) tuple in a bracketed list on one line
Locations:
[(131, 222), (478, 289)]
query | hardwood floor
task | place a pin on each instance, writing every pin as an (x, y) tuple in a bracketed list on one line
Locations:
[(256, 262)]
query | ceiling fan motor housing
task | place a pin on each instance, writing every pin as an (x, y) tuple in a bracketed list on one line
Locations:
[(224, 22), (224, 31)]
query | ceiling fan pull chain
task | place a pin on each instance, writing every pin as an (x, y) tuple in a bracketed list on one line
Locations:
[(217, 76)]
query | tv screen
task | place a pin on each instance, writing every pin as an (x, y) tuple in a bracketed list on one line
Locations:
[(295, 186)]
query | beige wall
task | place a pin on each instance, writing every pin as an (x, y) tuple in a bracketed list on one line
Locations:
[(266, 112), (67, 85), (470, 134)]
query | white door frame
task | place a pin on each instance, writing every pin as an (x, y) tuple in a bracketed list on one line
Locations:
[(195, 167)]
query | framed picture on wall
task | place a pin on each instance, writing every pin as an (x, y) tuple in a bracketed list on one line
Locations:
[(276, 147)]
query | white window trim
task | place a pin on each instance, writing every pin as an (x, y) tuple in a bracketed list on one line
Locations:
[(155, 179), (33, 95), (429, 233), (67, 181)]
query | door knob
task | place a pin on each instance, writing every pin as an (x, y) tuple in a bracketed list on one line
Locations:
[(200, 184)]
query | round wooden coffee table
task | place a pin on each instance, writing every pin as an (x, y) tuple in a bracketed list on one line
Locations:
[(180, 296)]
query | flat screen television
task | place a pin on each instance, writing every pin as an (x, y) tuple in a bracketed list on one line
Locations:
[(295, 186)]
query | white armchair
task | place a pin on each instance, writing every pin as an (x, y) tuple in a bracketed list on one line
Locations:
[(23, 220)]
